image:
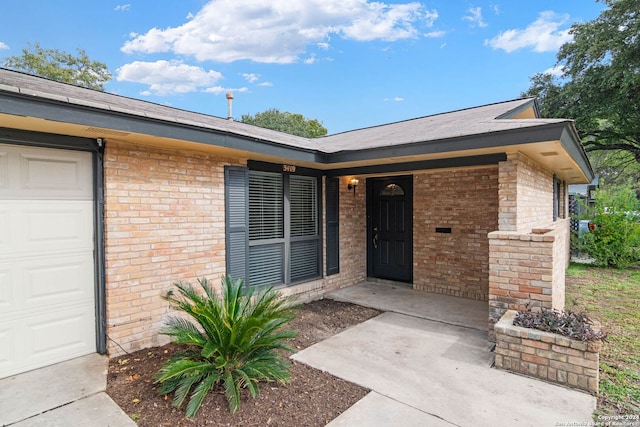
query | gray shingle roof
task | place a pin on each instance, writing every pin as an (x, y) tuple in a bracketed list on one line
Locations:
[(489, 127), (455, 124), (467, 122), (47, 89)]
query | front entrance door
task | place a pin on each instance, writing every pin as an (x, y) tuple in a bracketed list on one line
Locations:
[(390, 228)]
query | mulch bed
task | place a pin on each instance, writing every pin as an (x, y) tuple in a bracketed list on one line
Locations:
[(312, 398)]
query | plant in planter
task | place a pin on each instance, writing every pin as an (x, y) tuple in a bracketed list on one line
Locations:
[(569, 324), (232, 340), (551, 345)]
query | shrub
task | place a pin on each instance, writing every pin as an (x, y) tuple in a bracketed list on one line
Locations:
[(569, 324), (615, 241), (232, 340)]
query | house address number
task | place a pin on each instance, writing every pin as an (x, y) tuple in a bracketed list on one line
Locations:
[(289, 168)]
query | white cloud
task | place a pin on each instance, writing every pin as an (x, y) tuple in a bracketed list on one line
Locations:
[(475, 17), (251, 77), (542, 35), (281, 30), (435, 34), (168, 77), (556, 71), (323, 45), (396, 99), (219, 90), (3, 46), (495, 8), (122, 8), (310, 60)]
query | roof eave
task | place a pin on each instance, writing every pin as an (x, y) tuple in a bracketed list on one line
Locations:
[(58, 110)]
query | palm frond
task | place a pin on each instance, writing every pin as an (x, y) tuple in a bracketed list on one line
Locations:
[(183, 388), (236, 332), (232, 391), (199, 393)]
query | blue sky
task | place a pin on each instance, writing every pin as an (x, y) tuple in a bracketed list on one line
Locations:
[(348, 63)]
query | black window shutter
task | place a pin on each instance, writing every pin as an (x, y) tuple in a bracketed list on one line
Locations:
[(333, 235), (236, 192)]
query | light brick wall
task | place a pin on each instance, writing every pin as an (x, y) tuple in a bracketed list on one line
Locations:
[(527, 270), (547, 356), (465, 200), (353, 236), (525, 193), (530, 252), (164, 222)]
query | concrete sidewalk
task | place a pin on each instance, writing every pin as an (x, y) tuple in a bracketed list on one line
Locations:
[(429, 373), (67, 394)]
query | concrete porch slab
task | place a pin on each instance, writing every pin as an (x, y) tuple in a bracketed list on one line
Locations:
[(442, 371), (426, 305)]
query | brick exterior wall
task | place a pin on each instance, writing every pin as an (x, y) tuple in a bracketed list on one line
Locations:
[(467, 201), (164, 222), (547, 356), (525, 193), (530, 252), (527, 270), (353, 236)]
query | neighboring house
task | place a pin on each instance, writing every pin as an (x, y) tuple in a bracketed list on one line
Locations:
[(106, 201), (581, 198), (583, 195)]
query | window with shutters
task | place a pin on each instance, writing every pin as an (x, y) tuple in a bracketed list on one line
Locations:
[(283, 228)]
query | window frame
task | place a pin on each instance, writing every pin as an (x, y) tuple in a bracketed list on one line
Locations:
[(288, 240)]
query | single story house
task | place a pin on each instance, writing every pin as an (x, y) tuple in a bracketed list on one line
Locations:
[(106, 201)]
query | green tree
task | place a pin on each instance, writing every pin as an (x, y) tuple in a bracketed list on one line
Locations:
[(615, 240), (60, 66), (600, 82), (232, 338), (294, 124)]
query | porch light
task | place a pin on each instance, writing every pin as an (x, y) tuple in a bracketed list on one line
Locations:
[(352, 185)]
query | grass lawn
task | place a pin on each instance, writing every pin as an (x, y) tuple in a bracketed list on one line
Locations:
[(613, 298)]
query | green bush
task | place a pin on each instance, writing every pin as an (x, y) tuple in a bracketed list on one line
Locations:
[(615, 241), (232, 341)]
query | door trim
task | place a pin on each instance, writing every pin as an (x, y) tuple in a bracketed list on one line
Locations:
[(370, 206)]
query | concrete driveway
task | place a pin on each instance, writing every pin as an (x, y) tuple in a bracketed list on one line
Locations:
[(431, 373)]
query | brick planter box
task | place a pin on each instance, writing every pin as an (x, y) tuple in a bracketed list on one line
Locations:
[(547, 356)]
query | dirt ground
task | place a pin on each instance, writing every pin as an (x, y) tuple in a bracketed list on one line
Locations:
[(312, 398)]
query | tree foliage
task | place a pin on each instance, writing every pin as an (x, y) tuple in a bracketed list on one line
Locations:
[(600, 82), (615, 240), (60, 66), (294, 124)]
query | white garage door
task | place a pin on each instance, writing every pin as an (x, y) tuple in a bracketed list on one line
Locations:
[(47, 310)]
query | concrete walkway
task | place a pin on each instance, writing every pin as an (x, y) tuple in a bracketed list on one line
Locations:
[(426, 305), (426, 360), (67, 394), (431, 373)]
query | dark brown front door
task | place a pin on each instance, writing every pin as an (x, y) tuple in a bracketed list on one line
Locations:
[(390, 228)]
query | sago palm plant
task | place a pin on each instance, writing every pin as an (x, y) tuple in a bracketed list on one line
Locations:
[(232, 338)]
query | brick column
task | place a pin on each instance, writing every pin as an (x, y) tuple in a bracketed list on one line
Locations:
[(526, 270)]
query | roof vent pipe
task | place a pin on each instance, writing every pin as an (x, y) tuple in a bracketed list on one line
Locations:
[(230, 102)]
